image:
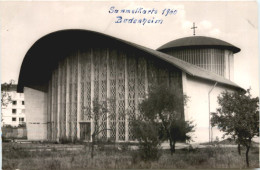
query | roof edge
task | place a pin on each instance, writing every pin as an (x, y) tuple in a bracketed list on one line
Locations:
[(182, 65), (186, 42)]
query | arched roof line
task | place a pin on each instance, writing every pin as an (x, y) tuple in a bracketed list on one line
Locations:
[(45, 53), (198, 42)]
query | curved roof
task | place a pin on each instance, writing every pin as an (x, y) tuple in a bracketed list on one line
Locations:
[(199, 41), (42, 58)]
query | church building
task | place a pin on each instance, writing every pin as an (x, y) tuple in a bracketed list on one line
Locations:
[(65, 71)]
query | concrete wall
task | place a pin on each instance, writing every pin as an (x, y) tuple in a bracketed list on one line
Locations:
[(197, 108), (12, 132), (36, 114)]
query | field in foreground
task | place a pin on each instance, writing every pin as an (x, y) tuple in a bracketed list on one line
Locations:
[(58, 156)]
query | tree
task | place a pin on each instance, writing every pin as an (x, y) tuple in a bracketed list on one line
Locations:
[(180, 131), (238, 117), (99, 114), (5, 95), (164, 105)]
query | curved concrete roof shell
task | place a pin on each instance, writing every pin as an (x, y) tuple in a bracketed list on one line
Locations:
[(42, 58), (198, 41)]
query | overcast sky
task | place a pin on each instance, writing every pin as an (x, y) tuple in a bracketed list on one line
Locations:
[(23, 23)]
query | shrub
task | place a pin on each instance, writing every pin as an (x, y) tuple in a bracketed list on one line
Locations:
[(65, 140), (149, 144)]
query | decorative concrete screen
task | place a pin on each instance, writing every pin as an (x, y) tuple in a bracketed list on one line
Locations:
[(106, 75)]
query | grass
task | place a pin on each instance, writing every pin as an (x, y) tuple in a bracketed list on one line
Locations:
[(17, 156)]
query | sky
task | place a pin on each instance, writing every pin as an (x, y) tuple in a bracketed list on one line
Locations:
[(23, 23)]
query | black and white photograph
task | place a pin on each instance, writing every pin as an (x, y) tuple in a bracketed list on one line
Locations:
[(129, 84)]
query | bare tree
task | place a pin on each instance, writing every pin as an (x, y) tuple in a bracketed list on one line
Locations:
[(99, 114), (6, 97)]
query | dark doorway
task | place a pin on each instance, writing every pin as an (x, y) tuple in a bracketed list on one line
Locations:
[(85, 131)]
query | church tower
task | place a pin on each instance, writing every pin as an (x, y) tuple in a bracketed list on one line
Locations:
[(209, 53)]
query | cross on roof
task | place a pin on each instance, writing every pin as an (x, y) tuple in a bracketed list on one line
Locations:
[(194, 28)]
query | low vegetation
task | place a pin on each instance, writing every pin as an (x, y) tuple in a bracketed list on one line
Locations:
[(21, 156)]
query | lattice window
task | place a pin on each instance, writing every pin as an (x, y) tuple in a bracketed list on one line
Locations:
[(163, 76), (141, 78), (176, 83), (121, 120), (82, 79), (131, 107), (70, 61), (87, 115), (96, 74), (96, 65), (82, 106), (152, 74), (113, 91), (175, 78), (131, 74), (75, 96), (209, 59), (67, 97), (103, 91), (121, 95), (112, 122), (87, 87)]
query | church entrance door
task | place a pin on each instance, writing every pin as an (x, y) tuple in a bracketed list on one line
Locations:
[(85, 131)]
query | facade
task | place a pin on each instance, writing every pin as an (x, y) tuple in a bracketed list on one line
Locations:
[(65, 71), (101, 73), (209, 53), (215, 56), (14, 113)]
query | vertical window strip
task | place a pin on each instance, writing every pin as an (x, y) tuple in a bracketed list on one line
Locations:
[(121, 96)]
